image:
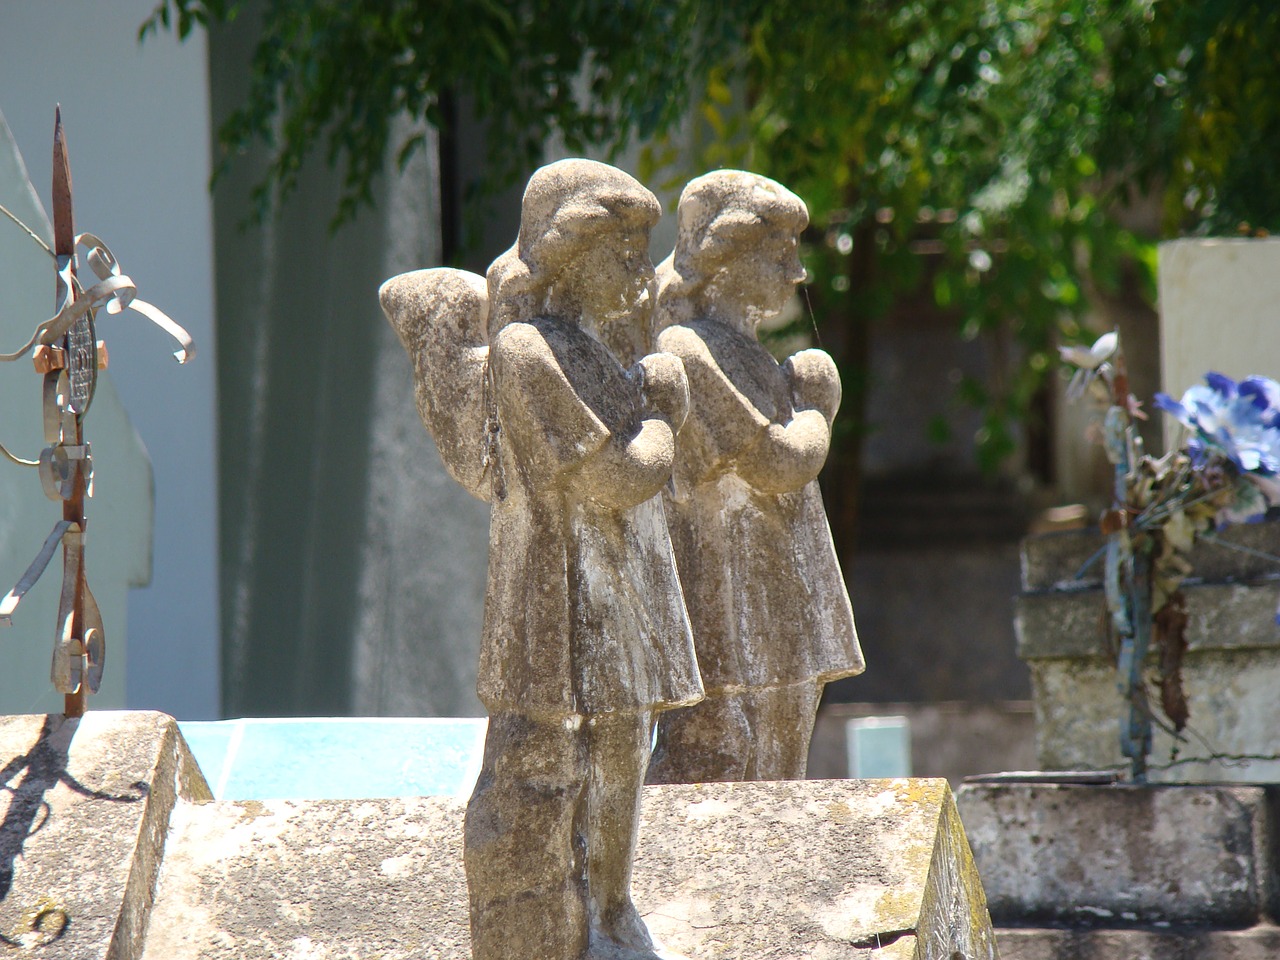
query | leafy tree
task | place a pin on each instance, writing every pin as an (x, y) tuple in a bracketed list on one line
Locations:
[(336, 72), (1005, 138)]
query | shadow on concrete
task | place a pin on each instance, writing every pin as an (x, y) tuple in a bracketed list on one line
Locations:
[(27, 779)]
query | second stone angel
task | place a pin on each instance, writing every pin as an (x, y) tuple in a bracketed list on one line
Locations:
[(771, 617)]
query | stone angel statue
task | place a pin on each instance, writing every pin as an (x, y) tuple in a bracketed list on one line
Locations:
[(771, 617), (586, 638)]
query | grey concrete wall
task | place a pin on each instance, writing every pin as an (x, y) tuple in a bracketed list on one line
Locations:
[(1231, 669), (352, 565)]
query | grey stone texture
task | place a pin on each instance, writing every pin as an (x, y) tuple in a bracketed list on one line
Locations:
[(1231, 669), (1111, 855), (113, 850), (770, 613), (768, 871), (1124, 872), (84, 815), (1255, 943)]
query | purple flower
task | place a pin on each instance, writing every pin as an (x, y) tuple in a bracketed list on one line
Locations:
[(1239, 421)]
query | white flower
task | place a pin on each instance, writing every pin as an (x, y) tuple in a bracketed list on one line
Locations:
[(1090, 358)]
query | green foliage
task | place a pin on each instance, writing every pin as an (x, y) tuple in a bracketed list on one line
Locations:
[(337, 71), (985, 151), (974, 152)]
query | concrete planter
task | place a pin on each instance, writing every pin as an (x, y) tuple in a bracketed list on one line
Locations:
[(1231, 671)]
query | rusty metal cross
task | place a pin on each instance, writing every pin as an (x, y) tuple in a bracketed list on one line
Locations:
[(66, 352), (80, 646)]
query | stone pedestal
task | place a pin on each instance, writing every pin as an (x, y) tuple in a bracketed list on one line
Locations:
[(876, 869), (84, 814), (1126, 872), (1231, 670)]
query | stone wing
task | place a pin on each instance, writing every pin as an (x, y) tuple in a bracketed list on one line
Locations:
[(440, 316)]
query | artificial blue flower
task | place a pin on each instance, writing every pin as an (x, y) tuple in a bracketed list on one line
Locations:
[(1239, 421), (1264, 394)]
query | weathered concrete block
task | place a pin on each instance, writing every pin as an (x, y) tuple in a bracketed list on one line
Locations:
[(817, 869), (1031, 943), (1230, 672), (1123, 855), (1053, 560), (84, 814), (823, 869)]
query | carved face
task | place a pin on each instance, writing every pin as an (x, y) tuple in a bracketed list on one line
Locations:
[(760, 279), (613, 274)]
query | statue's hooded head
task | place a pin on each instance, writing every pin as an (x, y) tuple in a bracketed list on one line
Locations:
[(570, 207), (722, 219)]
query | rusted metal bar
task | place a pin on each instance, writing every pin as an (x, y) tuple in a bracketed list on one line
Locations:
[(64, 248)]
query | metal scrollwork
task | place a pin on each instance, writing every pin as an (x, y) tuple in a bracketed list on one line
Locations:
[(66, 351)]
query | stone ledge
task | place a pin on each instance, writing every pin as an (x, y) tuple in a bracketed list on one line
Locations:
[(1124, 855), (772, 871), (84, 814), (1221, 616), (112, 851), (1051, 561), (1193, 943)]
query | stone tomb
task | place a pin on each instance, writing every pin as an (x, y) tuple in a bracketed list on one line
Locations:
[(109, 849), (1231, 670)]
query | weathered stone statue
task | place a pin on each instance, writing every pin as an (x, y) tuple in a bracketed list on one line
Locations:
[(771, 617), (585, 634)]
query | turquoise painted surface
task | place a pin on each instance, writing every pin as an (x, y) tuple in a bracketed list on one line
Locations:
[(879, 747), (337, 758)]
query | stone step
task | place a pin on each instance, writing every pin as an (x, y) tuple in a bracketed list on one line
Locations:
[(1120, 854), (116, 853)]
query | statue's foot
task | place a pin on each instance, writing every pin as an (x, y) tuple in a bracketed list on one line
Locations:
[(624, 927), (622, 935), (608, 950)]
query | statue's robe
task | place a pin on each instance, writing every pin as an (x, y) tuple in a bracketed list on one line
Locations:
[(584, 612), (761, 579)]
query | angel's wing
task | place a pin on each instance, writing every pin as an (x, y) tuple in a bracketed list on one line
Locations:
[(440, 316)]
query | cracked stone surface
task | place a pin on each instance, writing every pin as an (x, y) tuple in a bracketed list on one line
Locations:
[(113, 851), (813, 869)]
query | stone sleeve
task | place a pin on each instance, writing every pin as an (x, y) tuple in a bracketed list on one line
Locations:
[(815, 382), (547, 424)]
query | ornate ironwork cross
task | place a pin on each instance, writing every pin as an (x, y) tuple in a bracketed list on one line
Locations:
[(67, 353)]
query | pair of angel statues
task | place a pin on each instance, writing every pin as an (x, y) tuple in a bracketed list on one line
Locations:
[(659, 552)]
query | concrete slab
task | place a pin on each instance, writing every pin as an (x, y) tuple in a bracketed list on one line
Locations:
[(1124, 855), (84, 814), (816, 869), (1255, 943), (110, 849)]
